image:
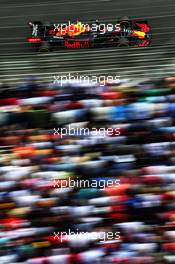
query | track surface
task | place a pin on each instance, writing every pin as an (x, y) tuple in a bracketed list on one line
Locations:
[(17, 61)]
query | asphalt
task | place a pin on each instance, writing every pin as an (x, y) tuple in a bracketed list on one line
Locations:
[(15, 14)]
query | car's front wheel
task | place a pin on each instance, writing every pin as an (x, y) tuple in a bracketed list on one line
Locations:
[(44, 47)]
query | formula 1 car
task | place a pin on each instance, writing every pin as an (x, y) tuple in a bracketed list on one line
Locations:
[(125, 32)]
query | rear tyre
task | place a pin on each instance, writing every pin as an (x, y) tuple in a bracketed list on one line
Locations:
[(123, 42), (125, 22)]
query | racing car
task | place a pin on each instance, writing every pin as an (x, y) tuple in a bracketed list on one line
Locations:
[(125, 32)]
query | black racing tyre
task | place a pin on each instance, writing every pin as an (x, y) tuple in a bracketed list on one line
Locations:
[(125, 18), (47, 24), (125, 22), (45, 47), (123, 42)]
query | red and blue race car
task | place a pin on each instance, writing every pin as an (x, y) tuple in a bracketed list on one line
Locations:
[(125, 32)]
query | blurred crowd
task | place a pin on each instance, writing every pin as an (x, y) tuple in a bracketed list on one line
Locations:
[(34, 210)]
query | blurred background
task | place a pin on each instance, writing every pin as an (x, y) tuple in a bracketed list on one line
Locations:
[(35, 159)]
